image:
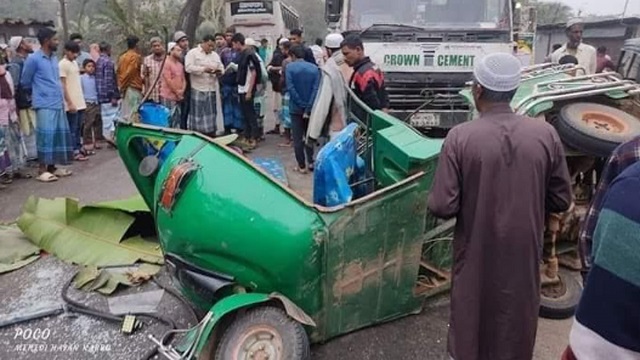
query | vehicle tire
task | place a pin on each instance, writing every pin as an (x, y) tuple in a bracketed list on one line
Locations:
[(596, 129), (264, 331), (560, 301)]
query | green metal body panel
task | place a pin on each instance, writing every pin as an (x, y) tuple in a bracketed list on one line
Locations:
[(347, 267)]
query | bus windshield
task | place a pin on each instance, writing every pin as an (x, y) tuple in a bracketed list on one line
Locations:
[(481, 14)]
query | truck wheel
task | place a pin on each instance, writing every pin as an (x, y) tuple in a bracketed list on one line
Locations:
[(560, 301), (266, 333), (596, 129)]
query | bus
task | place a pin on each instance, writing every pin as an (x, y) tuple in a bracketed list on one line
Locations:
[(267, 19)]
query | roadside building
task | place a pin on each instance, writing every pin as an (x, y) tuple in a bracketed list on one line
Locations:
[(26, 28), (608, 32)]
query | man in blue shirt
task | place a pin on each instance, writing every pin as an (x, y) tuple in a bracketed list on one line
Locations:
[(303, 80), (41, 77)]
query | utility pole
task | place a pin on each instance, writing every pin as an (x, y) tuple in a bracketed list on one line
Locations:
[(624, 12)]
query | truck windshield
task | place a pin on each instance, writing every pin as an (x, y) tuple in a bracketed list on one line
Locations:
[(469, 14)]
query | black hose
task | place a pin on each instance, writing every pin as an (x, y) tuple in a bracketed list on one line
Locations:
[(84, 309)]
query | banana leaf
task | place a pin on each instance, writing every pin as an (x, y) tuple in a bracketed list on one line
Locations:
[(90, 236), (106, 281), (17, 251), (130, 205)]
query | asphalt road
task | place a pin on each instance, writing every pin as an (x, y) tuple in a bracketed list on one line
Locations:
[(104, 178)]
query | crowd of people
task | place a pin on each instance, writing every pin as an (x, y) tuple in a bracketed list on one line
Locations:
[(59, 111)]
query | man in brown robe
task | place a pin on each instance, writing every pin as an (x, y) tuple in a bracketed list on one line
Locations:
[(498, 175)]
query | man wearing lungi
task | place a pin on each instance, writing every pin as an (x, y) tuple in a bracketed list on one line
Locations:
[(42, 77), (204, 66)]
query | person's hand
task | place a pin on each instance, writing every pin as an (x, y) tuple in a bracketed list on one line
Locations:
[(114, 102), (386, 110), (72, 108), (248, 96)]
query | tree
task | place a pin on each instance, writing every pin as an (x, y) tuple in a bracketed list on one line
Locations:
[(553, 13), (189, 17), (312, 18)]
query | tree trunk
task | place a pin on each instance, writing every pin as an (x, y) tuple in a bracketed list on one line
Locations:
[(63, 18), (189, 18)]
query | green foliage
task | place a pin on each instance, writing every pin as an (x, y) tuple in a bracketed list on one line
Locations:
[(553, 12), (206, 28), (312, 18)]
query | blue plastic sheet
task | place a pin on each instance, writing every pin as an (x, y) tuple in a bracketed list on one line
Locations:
[(337, 167)]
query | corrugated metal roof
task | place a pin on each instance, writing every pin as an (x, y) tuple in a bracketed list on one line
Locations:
[(596, 21), (12, 21)]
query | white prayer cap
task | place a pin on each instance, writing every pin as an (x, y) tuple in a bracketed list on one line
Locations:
[(283, 41), (574, 21), (171, 45), (333, 41), (499, 72), (250, 42), (15, 42)]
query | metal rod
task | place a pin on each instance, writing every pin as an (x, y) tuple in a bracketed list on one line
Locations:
[(570, 96), (595, 86)]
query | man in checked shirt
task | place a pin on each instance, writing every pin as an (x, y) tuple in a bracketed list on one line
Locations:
[(622, 157)]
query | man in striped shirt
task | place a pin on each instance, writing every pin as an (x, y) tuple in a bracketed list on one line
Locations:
[(607, 324), (622, 157), (151, 66)]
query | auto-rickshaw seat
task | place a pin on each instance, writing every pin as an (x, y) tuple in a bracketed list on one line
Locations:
[(400, 151)]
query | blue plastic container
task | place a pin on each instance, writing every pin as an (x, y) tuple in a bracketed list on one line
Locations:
[(154, 114)]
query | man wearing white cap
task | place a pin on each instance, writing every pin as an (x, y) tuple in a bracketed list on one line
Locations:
[(498, 175), (586, 54), (331, 101)]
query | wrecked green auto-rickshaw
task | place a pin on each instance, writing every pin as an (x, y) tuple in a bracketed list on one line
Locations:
[(274, 271)]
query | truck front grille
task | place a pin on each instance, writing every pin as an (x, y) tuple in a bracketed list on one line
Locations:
[(412, 95)]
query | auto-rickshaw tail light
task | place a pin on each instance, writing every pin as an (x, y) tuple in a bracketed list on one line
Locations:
[(178, 176)]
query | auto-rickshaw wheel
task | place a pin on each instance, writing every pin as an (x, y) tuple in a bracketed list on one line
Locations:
[(264, 333), (559, 301), (595, 129)]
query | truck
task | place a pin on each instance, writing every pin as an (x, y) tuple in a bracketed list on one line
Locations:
[(427, 49)]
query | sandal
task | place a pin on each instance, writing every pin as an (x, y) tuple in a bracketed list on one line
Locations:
[(80, 157), (47, 177), (21, 175), (311, 167), (286, 144), (300, 171), (62, 173), (87, 152)]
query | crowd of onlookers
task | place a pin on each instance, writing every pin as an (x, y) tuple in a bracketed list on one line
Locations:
[(59, 110)]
